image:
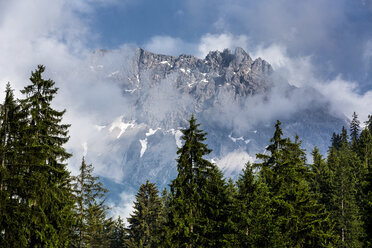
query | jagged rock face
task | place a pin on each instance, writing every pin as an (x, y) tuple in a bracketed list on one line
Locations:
[(203, 77), (221, 76)]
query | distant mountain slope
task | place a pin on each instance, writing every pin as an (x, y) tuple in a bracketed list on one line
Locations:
[(235, 98)]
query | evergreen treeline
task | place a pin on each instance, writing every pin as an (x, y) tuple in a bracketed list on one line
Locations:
[(280, 201)]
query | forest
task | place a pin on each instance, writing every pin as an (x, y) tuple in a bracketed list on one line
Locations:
[(282, 200)]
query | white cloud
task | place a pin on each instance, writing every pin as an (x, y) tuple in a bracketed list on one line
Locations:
[(344, 96), (209, 42), (54, 34), (234, 162), (212, 42), (124, 208), (300, 71), (168, 45)]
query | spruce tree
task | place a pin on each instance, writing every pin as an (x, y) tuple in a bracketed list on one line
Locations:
[(320, 178), (118, 234), (367, 208), (365, 156), (264, 230), (301, 220), (99, 227), (144, 223), (364, 149), (254, 212), (336, 141), (216, 216), (247, 188), (47, 180), (192, 221), (354, 128), (92, 228), (13, 207), (369, 124), (232, 211), (344, 206)]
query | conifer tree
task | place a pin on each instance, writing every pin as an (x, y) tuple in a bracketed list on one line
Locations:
[(335, 141), (99, 227), (320, 179), (354, 128), (192, 218), (118, 234), (246, 192), (300, 219), (216, 216), (13, 208), (49, 195), (343, 206), (367, 210), (369, 124), (92, 228), (254, 212), (365, 156), (232, 210), (364, 149), (264, 231), (145, 221)]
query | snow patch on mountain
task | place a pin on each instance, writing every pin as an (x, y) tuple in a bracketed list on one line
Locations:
[(165, 63), (152, 131), (236, 139), (177, 135), (122, 126), (143, 146)]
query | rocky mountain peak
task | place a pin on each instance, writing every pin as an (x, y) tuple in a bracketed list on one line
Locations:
[(234, 72), (163, 91)]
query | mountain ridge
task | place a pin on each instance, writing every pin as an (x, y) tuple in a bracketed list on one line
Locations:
[(235, 98)]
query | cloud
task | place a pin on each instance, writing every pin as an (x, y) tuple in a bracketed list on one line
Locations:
[(213, 42), (168, 45), (124, 208), (333, 34), (55, 35), (233, 162), (208, 42), (344, 95)]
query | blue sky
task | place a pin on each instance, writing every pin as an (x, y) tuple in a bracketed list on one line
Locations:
[(336, 34)]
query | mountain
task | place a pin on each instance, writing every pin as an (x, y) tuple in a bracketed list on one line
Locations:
[(235, 98)]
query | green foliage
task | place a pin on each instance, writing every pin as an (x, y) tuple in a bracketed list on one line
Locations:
[(118, 234), (146, 220), (367, 217), (254, 218), (13, 207), (300, 219), (49, 194), (198, 196), (278, 202), (369, 124), (92, 227), (354, 128), (343, 205)]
